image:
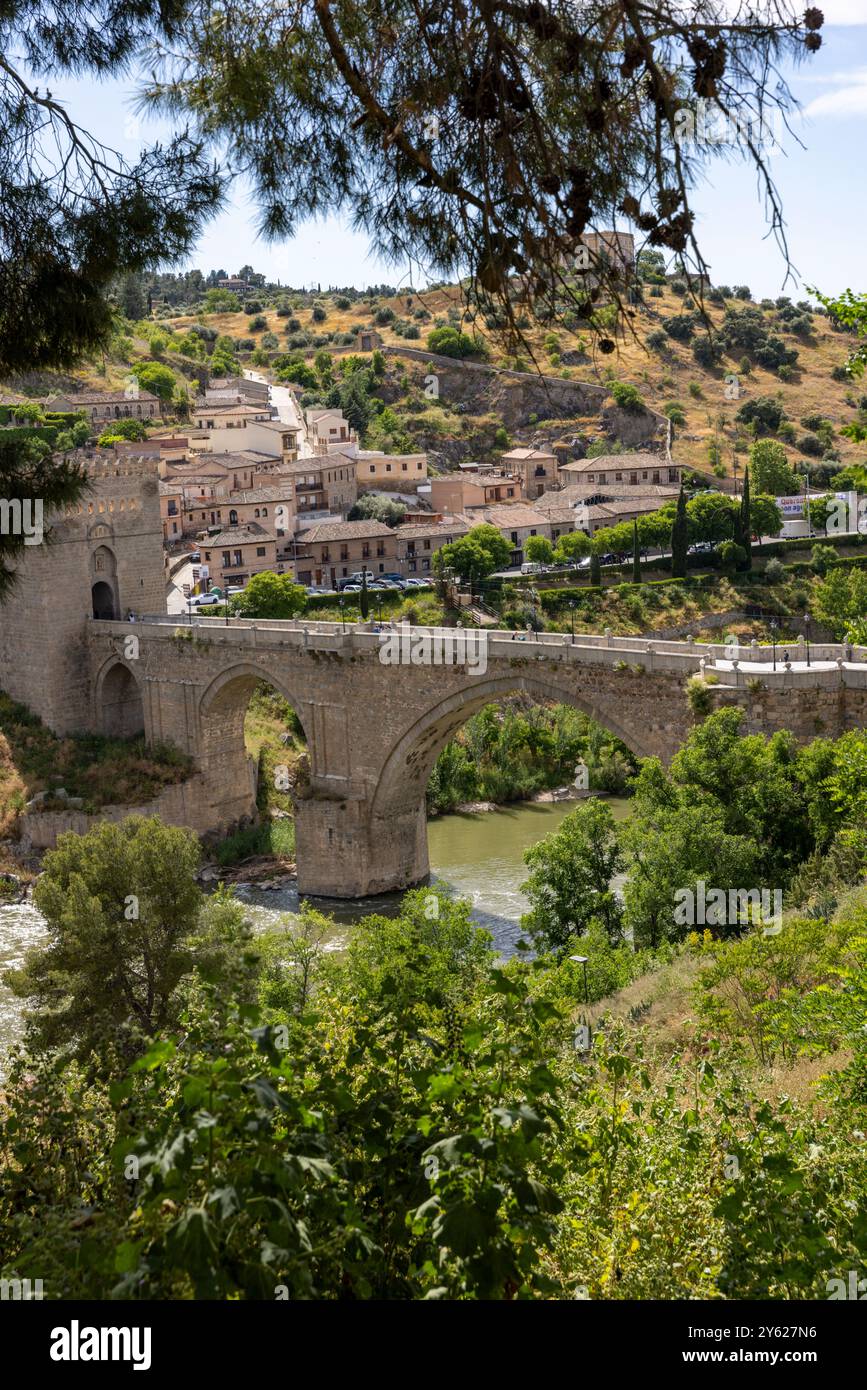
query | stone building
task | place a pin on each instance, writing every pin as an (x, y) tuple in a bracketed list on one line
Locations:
[(234, 555), (334, 550), (536, 467), (101, 406), (104, 559)]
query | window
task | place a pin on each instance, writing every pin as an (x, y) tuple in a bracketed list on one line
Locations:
[(633, 478), (510, 492), (260, 550), (207, 556), (365, 551), (380, 549), (656, 475), (227, 559), (233, 518), (410, 547), (388, 468), (373, 468), (174, 528), (256, 513), (426, 545), (344, 552), (418, 466), (264, 511), (644, 474), (618, 477), (514, 536), (403, 466), (411, 566), (239, 559), (425, 564)]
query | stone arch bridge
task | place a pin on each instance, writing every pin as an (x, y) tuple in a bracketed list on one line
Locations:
[(374, 729)]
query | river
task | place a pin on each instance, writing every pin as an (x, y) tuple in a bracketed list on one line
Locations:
[(478, 856)]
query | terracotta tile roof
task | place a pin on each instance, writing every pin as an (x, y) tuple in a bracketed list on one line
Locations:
[(344, 531), (250, 534)]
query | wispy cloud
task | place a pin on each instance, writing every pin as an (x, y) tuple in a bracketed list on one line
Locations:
[(847, 96)]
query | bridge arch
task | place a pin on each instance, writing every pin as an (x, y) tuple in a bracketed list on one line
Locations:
[(402, 783), (119, 703), (221, 714)]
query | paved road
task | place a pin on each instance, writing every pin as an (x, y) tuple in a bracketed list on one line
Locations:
[(288, 411), (176, 601)]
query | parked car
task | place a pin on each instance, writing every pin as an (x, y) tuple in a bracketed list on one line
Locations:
[(194, 556), (352, 589), (397, 579), (418, 584)]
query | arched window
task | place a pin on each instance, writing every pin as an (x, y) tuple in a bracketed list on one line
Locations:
[(233, 518)]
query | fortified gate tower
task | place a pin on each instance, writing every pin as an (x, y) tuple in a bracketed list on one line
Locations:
[(103, 558)]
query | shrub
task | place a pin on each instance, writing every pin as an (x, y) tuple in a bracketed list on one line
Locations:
[(257, 324), (774, 572), (765, 413), (811, 445), (822, 557), (657, 340), (708, 352), (627, 396), (680, 327)]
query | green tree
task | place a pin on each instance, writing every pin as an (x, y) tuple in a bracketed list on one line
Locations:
[(270, 595), (123, 429), (573, 546), (679, 538), (155, 377), (221, 302), (474, 556), (840, 600), (569, 885), (595, 568), (765, 516), (27, 470), (124, 916), (449, 342), (771, 473), (364, 597), (539, 550)]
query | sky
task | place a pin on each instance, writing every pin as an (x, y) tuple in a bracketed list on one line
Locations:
[(822, 187)]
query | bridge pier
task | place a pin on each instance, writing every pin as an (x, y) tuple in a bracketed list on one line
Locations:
[(344, 851)]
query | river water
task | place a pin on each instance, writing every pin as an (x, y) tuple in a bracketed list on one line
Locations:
[(477, 856)]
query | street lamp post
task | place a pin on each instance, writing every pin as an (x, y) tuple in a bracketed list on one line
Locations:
[(774, 625), (582, 961), (572, 617), (341, 602), (807, 621)]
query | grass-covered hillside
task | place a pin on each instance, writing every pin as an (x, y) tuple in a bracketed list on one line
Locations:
[(778, 351)]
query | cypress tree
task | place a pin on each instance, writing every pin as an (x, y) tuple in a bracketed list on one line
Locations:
[(636, 557), (746, 525), (365, 602), (595, 569), (679, 538)]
